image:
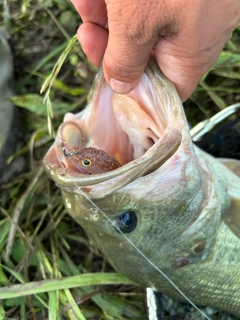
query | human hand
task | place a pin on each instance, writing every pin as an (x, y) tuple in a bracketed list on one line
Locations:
[(185, 37)]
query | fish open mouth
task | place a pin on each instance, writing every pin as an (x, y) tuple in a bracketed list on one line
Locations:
[(124, 127)]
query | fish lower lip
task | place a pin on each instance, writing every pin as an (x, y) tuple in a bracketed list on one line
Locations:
[(98, 185)]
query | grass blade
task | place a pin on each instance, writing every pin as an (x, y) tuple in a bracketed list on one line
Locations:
[(87, 279)]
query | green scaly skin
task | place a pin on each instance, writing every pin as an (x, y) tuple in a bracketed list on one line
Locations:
[(187, 205)]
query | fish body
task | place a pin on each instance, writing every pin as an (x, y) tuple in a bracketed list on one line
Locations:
[(170, 208)]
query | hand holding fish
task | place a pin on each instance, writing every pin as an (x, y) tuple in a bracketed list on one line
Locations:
[(185, 37)]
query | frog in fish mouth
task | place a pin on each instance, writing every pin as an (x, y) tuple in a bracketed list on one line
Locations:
[(87, 160), (178, 205)]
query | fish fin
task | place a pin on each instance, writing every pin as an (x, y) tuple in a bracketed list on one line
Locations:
[(232, 216), (231, 164)]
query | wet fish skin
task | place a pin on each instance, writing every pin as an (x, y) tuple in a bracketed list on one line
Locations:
[(187, 206), (209, 278)]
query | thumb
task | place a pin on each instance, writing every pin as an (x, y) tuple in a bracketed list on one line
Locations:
[(127, 52)]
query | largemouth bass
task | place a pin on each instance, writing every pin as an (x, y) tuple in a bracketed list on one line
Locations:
[(168, 200)]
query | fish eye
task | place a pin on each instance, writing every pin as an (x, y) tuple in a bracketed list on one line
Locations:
[(86, 162), (126, 222)]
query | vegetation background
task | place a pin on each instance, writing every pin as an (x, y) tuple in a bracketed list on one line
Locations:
[(39, 242)]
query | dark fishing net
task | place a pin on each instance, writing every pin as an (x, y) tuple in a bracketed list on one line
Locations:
[(224, 138)]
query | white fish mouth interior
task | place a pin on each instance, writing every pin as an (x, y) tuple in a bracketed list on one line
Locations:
[(125, 126)]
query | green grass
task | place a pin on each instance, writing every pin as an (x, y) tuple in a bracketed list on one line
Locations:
[(48, 267)]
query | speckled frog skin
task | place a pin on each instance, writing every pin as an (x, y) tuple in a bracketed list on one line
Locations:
[(176, 203)]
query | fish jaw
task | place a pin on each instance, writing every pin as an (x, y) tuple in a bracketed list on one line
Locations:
[(128, 127), (99, 185)]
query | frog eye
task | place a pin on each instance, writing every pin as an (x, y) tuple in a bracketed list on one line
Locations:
[(126, 222), (86, 162)]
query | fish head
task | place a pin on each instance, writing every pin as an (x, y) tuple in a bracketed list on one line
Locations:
[(150, 199)]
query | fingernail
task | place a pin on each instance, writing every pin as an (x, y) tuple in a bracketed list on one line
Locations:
[(119, 86)]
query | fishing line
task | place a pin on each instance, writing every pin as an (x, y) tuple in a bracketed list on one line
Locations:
[(139, 251)]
